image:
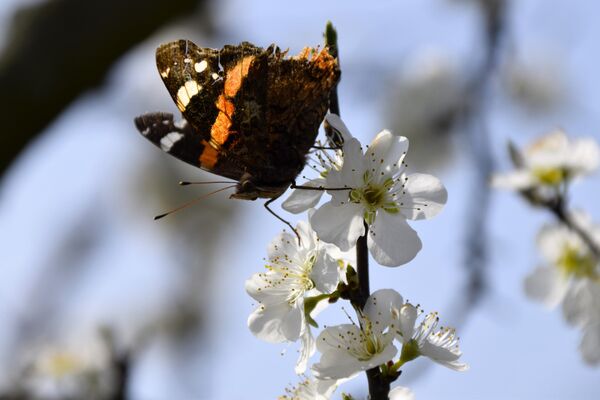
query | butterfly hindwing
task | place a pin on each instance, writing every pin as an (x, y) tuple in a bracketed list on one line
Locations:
[(179, 139)]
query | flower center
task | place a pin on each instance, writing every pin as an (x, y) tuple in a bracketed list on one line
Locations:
[(374, 196), (301, 281), (550, 176), (370, 346), (62, 364), (574, 262)]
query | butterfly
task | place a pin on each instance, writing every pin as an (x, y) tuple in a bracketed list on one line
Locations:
[(249, 114)]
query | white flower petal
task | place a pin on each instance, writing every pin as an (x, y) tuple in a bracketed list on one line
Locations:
[(386, 152), (401, 393), (585, 155), (325, 274), (581, 305), (291, 324), (351, 174), (392, 241), (516, 180), (442, 348), (330, 337), (590, 344), (406, 321), (269, 323), (283, 245), (378, 307), (425, 196), (260, 288), (302, 199), (336, 365), (553, 239), (337, 124), (545, 284), (341, 225), (307, 349)]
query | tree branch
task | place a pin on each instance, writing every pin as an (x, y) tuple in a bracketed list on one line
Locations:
[(58, 49)]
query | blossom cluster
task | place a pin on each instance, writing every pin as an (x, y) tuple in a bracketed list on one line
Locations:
[(372, 195), (570, 274)]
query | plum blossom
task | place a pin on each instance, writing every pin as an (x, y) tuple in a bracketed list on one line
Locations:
[(311, 389), (78, 367), (347, 349), (295, 271), (401, 393), (379, 195), (581, 307), (440, 346), (569, 264), (551, 161), (303, 199)]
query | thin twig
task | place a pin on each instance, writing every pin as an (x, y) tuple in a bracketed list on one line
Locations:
[(559, 209), (379, 386)]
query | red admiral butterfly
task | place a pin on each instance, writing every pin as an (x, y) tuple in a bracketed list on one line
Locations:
[(251, 114)]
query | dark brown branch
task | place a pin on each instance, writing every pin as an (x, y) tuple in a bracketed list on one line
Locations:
[(333, 137), (58, 49), (379, 386), (559, 210)]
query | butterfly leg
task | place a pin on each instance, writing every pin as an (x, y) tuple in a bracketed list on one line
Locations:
[(266, 205)]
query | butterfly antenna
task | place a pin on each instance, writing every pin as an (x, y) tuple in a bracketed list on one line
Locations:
[(189, 203), (185, 183)]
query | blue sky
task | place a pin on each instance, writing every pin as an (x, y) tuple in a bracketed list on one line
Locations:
[(91, 168)]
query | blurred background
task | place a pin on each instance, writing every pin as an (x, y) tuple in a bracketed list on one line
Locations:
[(91, 283)]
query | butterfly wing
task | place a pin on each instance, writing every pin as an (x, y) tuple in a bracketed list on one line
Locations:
[(272, 108), (249, 111)]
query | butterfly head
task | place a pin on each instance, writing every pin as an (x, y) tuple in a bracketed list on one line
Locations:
[(247, 189)]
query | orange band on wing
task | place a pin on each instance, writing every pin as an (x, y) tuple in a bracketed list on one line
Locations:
[(208, 157), (219, 132), (236, 75), (233, 82)]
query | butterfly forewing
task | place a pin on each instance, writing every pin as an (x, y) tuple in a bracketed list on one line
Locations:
[(251, 112)]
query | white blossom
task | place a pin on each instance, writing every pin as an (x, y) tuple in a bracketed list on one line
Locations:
[(347, 349), (550, 161), (80, 366), (401, 393), (568, 261), (590, 343), (311, 389), (381, 194), (303, 199), (581, 307), (295, 271), (440, 346)]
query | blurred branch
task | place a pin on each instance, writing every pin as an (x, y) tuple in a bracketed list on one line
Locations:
[(58, 49), (477, 136), (559, 209)]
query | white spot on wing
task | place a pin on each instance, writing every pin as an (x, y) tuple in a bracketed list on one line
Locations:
[(186, 92), (146, 131), (215, 76), (167, 142), (201, 66), (181, 124), (187, 60), (165, 73)]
